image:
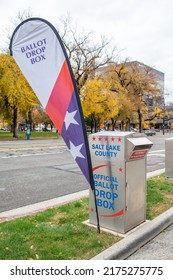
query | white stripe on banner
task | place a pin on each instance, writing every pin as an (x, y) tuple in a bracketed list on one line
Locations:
[(37, 48)]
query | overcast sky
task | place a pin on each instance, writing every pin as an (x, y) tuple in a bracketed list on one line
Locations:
[(142, 30)]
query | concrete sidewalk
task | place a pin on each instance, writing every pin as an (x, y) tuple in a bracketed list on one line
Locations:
[(121, 250)]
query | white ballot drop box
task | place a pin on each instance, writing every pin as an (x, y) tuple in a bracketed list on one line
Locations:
[(119, 170)]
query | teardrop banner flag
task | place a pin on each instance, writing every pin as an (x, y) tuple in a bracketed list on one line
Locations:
[(40, 54)]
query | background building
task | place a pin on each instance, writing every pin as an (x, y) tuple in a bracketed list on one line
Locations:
[(158, 99)]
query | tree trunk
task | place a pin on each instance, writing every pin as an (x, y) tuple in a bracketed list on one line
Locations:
[(113, 124), (15, 133), (94, 123), (140, 119), (122, 125), (128, 124)]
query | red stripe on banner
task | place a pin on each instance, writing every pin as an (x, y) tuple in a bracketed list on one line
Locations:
[(60, 97)]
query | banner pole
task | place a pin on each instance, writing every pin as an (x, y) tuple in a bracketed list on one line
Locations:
[(97, 215)]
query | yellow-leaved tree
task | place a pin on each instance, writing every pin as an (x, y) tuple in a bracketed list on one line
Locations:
[(113, 105), (16, 96), (93, 97), (132, 82), (120, 106)]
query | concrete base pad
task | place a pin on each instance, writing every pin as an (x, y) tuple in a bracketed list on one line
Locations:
[(115, 232)]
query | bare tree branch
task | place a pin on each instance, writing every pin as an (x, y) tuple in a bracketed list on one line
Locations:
[(85, 55)]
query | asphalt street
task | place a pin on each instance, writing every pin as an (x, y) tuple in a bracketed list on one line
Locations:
[(34, 171), (156, 156)]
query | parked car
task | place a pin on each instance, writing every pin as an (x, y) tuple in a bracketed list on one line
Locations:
[(133, 129), (148, 132)]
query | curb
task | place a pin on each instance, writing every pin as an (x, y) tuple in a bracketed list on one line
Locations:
[(41, 206), (155, 173), (127, 246)]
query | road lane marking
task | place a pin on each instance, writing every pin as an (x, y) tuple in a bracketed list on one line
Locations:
[(30, 155), (156, 151), (31, 148), (159, 155)]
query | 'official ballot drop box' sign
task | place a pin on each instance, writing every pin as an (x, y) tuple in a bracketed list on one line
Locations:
[(119, 170)]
